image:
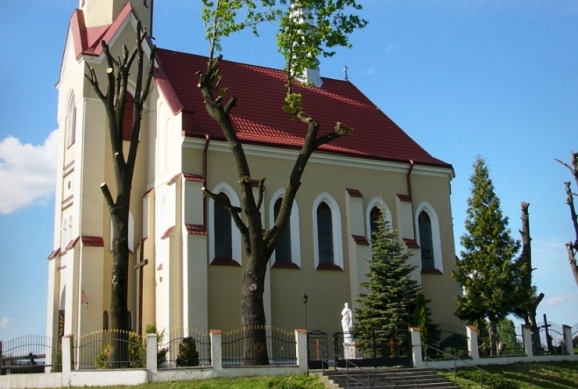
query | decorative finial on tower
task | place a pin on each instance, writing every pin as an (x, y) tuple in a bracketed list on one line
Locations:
[(345, 69)]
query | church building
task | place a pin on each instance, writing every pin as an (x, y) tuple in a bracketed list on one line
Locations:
[(186, 259)]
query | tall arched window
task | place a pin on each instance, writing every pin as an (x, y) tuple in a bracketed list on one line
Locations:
[(127, 117), (325, 234), (223, 231), (71, 123), (426, 241), (105, 320), (283, 249), (374, 216)]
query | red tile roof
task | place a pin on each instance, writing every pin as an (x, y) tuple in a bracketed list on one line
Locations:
[(259, 118)]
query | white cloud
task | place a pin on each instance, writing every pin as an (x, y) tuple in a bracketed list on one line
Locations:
[(369, 72), (391, 48), (4, 323), (559, 300), (27, 172)]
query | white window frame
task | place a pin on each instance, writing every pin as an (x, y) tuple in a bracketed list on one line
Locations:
[(435, 233), (294, 226), (336, 226), (235, 233)]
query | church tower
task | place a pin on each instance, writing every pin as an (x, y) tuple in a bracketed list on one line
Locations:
[(104, 12), (79, 283)]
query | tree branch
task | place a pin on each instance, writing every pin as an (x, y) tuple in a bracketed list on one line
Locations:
[(223, 200), (107, 197), (261, 191)]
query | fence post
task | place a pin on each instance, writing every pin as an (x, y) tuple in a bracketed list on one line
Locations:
[(151, 352), (67, 360), (568, 341), (527, 337), (216, 351), (416, 347), (302, 351), (473, 346)]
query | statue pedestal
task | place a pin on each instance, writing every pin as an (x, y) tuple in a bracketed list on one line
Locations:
[(349, 350)]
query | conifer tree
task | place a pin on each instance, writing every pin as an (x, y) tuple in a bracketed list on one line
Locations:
[(384, 309), (486, 271)]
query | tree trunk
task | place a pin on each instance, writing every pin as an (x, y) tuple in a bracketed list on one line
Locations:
[(493, 336)]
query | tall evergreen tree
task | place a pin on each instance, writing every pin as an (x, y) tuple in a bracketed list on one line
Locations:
[(486, 270), (385, 308)]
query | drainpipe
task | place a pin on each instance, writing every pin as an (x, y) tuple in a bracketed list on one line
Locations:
[(207, 141)]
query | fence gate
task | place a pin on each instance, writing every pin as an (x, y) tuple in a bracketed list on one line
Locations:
[(317, 349)]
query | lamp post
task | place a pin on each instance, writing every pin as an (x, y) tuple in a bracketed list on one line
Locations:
[(304, 299)]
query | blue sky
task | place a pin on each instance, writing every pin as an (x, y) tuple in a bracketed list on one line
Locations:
[(496, 78)]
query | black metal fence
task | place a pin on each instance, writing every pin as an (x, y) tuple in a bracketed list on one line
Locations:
[(509, 342), (186, 347), (575, 335), (450, 338), (551, 339), (29, 354), (317, 349), (109, 349), (375, 348), (281, 346)]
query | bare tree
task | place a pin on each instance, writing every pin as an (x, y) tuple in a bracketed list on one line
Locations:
[(528, 306), (300, 43), (114, 99), (572, 247)]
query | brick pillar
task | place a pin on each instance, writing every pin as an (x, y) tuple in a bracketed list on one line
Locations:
[(216, 350), (302, 359), (473, 346), (527, 337), (416, 347), (152, 350)]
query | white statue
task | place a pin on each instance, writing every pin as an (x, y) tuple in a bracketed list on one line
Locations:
[(346, 319)]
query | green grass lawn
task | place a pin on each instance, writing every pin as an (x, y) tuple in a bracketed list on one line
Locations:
[(553, 375)]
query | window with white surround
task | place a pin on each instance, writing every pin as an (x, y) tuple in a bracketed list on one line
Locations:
[(327, 239), (428, 237), (224, 237), (373, 211), (288, 250)]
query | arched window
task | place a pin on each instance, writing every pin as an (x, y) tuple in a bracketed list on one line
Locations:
[(429, 237), (127, 117), (105, 320), (223, 231), (374, 216), (224, 236), (71, 123), (426, 241), (327, 233), (287, 254), (283, 249)]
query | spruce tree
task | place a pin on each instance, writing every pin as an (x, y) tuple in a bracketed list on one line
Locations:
[(486, 271), (384, 310)]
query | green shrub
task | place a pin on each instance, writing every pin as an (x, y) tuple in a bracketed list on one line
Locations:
[(57, 364), (102, 360), (136, 351), (188, 353)]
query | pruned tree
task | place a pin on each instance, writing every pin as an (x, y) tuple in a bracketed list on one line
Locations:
[(391, 290), (572, 247), (487, 270), (308, 29), (529, 298), (114, 99)]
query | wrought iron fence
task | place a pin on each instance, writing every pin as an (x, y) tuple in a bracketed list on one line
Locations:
[(186, 347), (109, 349), (281, 345), (450, 338), (29, 354), (551, 339), (509, 341), (575, 336), (374, 348), (317, 349)]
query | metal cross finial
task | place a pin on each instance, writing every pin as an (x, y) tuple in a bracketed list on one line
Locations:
[(345, 69)]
